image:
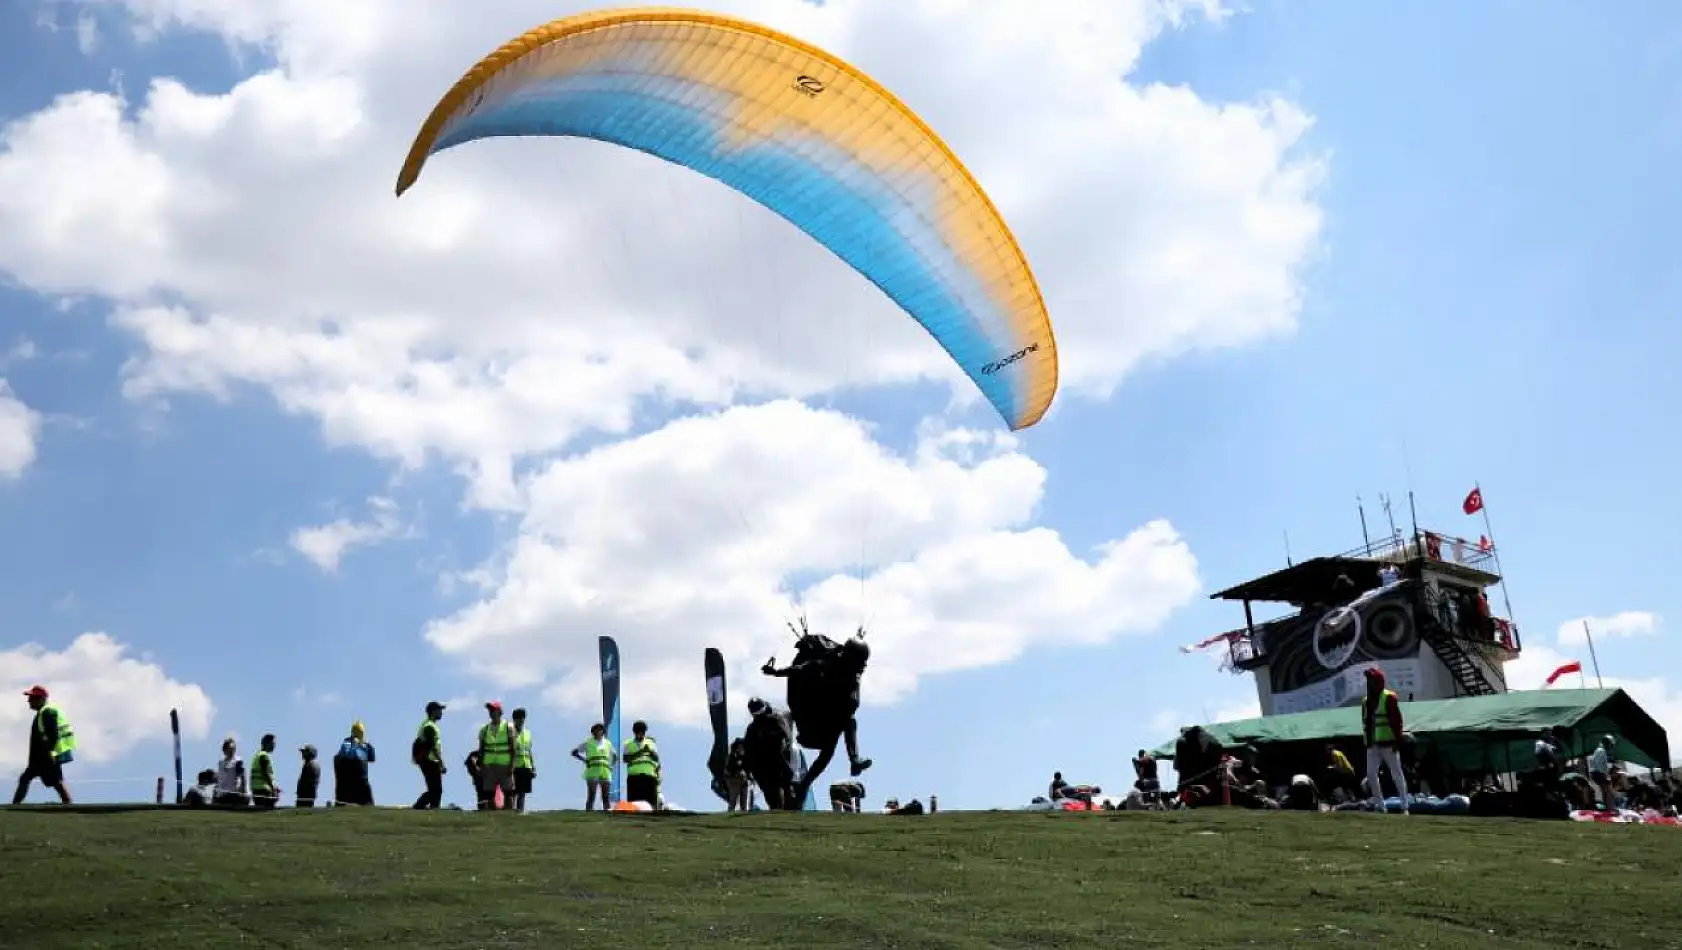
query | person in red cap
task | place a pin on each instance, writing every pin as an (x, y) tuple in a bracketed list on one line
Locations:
[(51, 744), (1381, 725), (496, 758)]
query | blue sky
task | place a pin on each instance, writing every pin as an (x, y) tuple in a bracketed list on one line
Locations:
[(1487, 302)]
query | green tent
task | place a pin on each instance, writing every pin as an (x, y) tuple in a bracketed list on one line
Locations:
[(1478, 733)]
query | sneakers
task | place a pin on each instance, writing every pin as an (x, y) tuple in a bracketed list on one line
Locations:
[(859, 765)]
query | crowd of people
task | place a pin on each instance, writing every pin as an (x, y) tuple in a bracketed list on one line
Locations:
[(501, 768)]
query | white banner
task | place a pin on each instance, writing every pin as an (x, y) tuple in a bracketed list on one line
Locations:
[(1347, 686)]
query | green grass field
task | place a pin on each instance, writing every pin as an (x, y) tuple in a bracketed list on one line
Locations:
[(386, 878)]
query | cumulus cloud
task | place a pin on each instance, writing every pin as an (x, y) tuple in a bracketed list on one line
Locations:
[(1627, 623), (19, 426), (716, 530), (250, 236), (114, 700), (326, 545), (304, 696), (531, 294)]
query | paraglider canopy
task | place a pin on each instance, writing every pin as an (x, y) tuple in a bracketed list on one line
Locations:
[(801, 132)]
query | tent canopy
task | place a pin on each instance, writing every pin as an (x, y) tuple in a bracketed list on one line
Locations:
[(1494, 733)]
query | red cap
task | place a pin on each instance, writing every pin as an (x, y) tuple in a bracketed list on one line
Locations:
[(493, 704), (40, 691)]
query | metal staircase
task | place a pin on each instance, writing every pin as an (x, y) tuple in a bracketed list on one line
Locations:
[(1453, 651)]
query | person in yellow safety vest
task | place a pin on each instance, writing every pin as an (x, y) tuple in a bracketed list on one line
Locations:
[(598, 756), (1381, 725), (496, 758), (52, 743), (265, 791), (525, 767), (428, 755), (642, 767)]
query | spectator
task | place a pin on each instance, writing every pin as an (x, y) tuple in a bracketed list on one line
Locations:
[(1548, 756), (1144, 774), (1057, 785), (350, 768), (1600, 771), (736, 780), (230, 777), (309, 777)]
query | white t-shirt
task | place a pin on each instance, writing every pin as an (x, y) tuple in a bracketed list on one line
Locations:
[(230, 776), (583, 750), (1597, 761)]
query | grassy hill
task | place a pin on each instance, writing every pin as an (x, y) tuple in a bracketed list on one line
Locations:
[(386, 878)]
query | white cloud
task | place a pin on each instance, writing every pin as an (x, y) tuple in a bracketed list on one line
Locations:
[(304, 696), (22, 351), (115, 701), (1238, 711), (694, 535), (1628, 623), (326, 545), (19, 426), (529, 293), (87, 34), (1157, 223)]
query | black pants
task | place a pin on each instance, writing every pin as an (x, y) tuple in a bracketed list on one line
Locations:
[(433, 797), (49, 772), (642, 788)]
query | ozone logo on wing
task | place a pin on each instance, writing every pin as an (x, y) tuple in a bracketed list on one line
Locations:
[(997, 365), (808, 86)]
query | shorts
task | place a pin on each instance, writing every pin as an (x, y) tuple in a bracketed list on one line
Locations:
[(522, 781), (492, 777), (51, 774)]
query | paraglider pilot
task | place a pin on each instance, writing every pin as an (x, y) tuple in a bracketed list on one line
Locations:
[(824, 698)]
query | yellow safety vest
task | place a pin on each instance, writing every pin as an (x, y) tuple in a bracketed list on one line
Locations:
[(598, 760), (437, 753), (522, 749), (262, 773), (493, 744), (65, 742), (1378, 717), (639, 757)]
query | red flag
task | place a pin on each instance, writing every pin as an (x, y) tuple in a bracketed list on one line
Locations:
[(1227, 637), (1575, 666), (1473, 503), (1484, 543)]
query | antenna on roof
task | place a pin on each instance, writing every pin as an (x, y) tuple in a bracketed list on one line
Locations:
[(1288, 562)]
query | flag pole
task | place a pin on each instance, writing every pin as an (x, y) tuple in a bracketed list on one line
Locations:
[(1495, 550), (1598, 681), (1366, 542)]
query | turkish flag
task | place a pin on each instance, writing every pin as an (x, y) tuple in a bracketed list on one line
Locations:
[(1575, 666), (1473, 503)]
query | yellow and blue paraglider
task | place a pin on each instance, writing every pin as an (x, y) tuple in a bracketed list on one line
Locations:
[(802, 133)]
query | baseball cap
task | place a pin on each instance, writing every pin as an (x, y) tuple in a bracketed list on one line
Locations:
[(40, 691), (435, 704), (493, 704)]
